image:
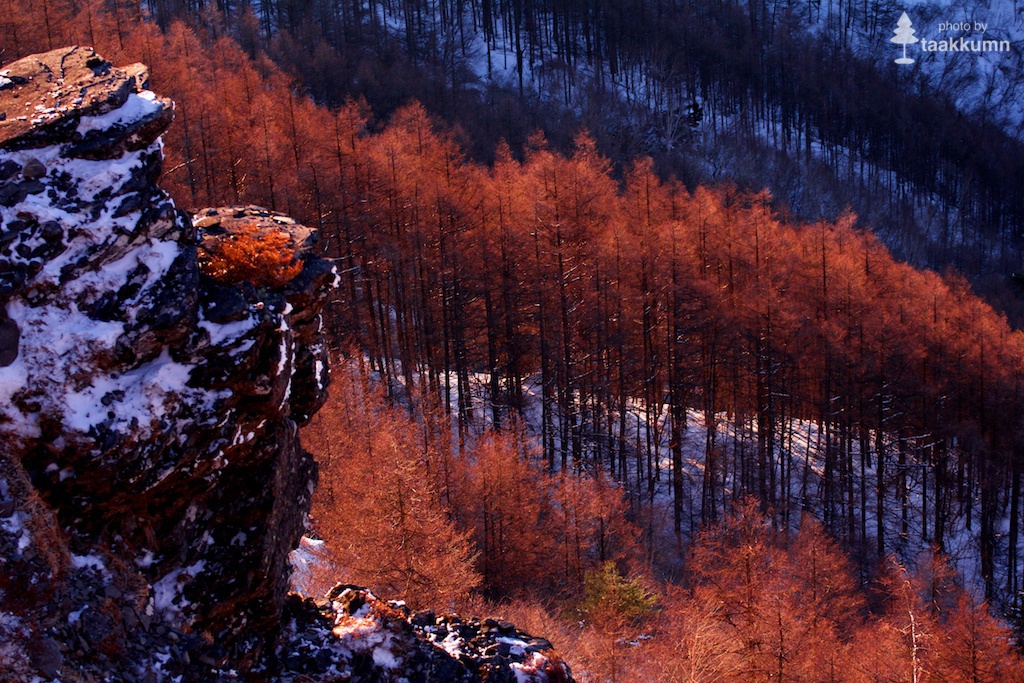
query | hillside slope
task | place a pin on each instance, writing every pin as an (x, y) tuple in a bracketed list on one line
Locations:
[(154, 371), (800, 98)]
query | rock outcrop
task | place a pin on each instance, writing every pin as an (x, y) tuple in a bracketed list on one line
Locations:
[(353, 635), (152, 483)]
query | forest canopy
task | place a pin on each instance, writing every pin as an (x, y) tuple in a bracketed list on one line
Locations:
[(633, 303)]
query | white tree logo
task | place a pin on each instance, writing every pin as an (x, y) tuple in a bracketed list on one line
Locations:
[(904, 36)]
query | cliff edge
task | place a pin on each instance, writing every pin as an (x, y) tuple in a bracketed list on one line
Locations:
[(152, 483)]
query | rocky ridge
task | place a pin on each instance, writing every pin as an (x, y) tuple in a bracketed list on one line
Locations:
[(353, 635), (152, 483)]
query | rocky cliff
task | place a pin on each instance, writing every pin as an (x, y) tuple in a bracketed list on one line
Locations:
[(152, 471), (152, 379)]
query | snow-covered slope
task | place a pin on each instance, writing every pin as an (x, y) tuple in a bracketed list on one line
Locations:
[(987, 83)]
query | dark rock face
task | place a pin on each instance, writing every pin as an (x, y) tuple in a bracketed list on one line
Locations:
[(152, 483), (151, 479)]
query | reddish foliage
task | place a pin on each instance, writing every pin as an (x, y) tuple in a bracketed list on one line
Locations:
[(260, 256)]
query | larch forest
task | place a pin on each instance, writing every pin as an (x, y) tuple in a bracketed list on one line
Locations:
[(685, 334)]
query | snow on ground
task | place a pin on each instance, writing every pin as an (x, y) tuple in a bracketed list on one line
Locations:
[(987, 83), (304, 561), (14, 660), (137, 106), (168, 596), (801, 445)]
